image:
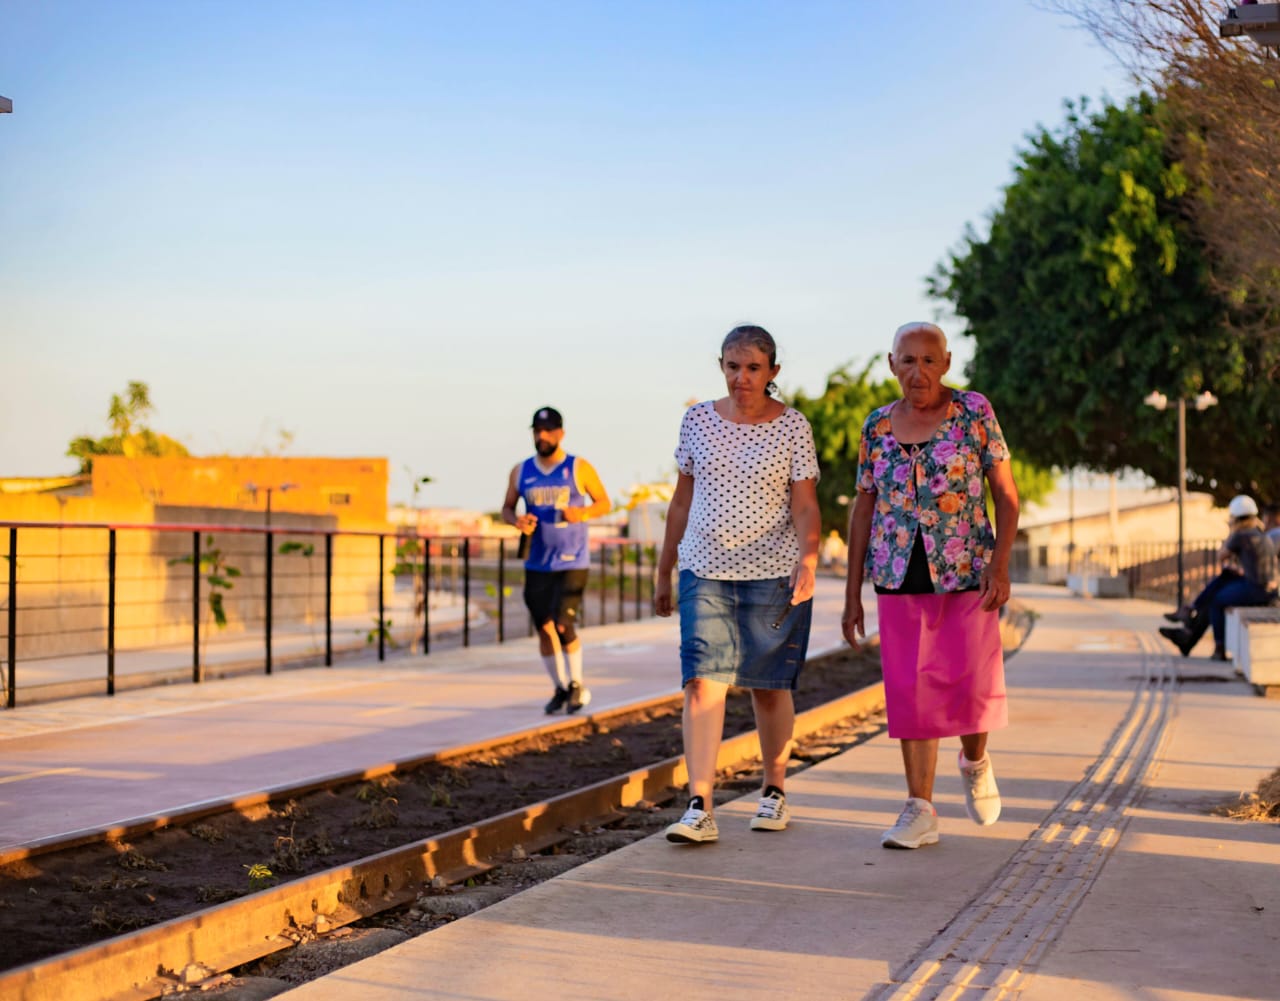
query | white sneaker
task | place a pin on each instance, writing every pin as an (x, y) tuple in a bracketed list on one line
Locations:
[(917, 825), (772, 814), (695, 827), (981, 797)]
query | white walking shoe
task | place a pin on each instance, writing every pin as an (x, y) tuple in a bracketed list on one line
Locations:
[(917, 825), (772, 814), (694, 828), (981, 796)]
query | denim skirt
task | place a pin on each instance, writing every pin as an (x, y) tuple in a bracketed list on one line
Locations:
[(742, 632)]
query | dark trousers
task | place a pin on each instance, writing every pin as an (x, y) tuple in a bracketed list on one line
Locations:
[(1227, 590)]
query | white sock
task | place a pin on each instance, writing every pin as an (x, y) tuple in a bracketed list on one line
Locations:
[(552, 663), (575, 664), (966, 763)]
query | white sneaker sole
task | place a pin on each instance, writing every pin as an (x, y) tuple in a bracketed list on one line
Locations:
[(769, 823), (928, 838), (681, 835)]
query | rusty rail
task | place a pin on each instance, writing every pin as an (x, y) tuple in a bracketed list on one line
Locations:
[(141, 965)]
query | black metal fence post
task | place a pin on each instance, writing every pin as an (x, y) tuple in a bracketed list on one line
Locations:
[(195, 608), (426, 596), (604, 580), (639, 567), (622, 581), (466, 591), (267, 596), (502, 558), (382, 614), (13, 615), (328, 599), (111, 611)]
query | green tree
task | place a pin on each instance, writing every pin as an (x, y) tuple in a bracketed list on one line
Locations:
[(1223, 100), (836, 418), (1090, 291), (126, 416)]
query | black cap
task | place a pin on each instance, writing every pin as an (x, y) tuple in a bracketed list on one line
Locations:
[(548, 417)]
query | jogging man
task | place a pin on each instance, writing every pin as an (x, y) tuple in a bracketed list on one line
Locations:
[(560, 492)]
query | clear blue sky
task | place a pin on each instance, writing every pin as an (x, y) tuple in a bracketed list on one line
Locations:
[(396, 229)]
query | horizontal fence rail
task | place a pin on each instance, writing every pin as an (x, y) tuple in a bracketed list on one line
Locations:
[(104, 607), (1144, 569)]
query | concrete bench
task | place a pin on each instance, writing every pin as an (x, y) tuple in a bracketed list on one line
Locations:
[(1253, 640), (1098, 585)]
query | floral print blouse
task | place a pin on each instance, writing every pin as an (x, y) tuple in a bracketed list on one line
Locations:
[(937, 487)]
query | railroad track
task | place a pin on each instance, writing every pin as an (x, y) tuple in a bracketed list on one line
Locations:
[(154, 960)]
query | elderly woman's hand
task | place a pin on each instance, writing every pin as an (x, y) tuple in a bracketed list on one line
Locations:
[(995, 587), (851, 623)]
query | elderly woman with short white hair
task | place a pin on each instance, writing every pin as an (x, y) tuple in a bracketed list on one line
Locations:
[(919, 527)]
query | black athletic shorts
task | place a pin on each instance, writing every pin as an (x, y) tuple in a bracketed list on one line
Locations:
[(554, 596)]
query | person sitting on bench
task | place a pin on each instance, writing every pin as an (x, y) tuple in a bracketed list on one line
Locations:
[(1249, 577)]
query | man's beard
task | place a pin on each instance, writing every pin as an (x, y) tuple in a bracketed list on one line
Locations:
[(545, 449)]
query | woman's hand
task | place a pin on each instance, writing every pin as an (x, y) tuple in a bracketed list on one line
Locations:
[(802, 582), (994, 588), (662, 604), (851, 623)]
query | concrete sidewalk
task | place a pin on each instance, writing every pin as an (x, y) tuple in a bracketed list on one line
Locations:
[(80, 766), (1108, 877)]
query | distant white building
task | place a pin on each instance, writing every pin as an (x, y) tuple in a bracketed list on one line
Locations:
[(1093, 523), (646, 509)]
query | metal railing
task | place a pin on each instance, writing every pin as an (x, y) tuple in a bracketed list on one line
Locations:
[(101, 607), (1148, 569)]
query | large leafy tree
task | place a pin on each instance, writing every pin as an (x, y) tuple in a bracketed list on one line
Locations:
[(1090, 290), (127, 418), (837, 416), (1222, 97)]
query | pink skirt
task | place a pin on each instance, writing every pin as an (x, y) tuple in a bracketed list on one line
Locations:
[(943, 665)]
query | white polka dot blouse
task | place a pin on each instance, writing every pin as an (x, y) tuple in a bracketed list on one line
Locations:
[(740, 524)]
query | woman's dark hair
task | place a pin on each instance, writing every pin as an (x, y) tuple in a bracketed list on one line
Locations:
[(752, 337)]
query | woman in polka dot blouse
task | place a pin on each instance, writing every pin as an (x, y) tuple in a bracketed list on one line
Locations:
[(744, 524)]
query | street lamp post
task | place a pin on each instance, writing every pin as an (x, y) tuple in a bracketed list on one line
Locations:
[(283, 487), (1202, 401)]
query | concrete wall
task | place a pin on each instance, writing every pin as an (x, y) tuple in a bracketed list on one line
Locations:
[(62, 575), (351, 491)]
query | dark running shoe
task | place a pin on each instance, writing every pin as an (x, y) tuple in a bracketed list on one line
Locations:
[(1182, 615), (557, 701), (1179, 638), (579, 695)]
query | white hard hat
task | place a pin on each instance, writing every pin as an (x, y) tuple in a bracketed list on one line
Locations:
[(1242, 506)]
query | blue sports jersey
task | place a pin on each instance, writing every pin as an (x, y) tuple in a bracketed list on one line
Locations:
[(555, 544)]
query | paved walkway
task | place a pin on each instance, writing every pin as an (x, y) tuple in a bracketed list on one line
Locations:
[(1107, 877), (75, 767)]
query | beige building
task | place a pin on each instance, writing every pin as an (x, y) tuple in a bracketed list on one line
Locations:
[(62, 571)]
